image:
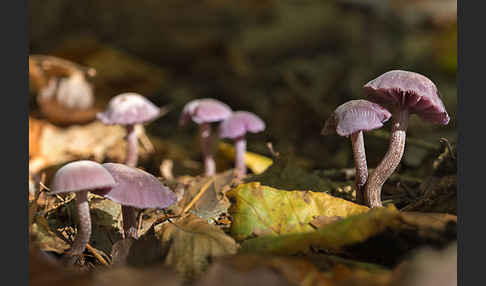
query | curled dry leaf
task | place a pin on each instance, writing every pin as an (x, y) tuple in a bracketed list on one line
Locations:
[(192, 241), (260, 210)]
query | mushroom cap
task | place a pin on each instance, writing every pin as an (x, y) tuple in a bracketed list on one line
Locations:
[(75, 92), (239, 123), (204, 110), (354, 116), (137, 188), (410, 90), (81, 175), (129, 108)]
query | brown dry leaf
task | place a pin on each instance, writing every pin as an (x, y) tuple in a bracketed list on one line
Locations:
[(57, 145), (192, 241), (322, 220), (45, 238), (213, 202)]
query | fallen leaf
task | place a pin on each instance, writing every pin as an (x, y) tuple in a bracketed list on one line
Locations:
[(256, 162), (130, 276), (333, 237), (258, 210), (212, 203), (45, 238), (192, 241)]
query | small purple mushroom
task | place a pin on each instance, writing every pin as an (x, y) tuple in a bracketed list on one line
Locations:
[(351, 119), (203, 112), (235, 127), (136, 188), (80, 177), (406, 93), (129, 109)]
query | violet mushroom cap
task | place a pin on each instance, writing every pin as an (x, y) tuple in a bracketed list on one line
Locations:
[(235, 127), (351, 119), (129, 109), (239, 123), (406, 93), (354, 116), (411, 90), (137, 188), (80, 177), (205, 110)]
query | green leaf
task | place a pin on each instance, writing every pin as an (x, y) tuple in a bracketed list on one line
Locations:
[(332, 237), (258, 210)]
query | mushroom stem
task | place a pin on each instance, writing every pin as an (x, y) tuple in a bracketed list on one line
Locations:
[(359, 154), (240, 150), (128, 213), (205, 134), (391, 159), (132, 146), (129, 222), (84, 227)]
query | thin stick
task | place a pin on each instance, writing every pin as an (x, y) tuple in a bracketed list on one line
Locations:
[(199, 195), (97, 255)]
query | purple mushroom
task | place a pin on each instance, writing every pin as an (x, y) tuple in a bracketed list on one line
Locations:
[(136, 188), (80, 177), (351, 119), (203, 112), (129, 109), (405, 93), (235, 127)]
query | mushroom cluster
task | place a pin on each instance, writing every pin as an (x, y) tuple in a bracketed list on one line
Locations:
[(117, 182), (234, 125), (403, 93)]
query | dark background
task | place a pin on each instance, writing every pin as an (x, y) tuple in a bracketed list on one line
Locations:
[(290, 62)]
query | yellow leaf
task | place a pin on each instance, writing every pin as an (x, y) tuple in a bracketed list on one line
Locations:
[(257, 163)]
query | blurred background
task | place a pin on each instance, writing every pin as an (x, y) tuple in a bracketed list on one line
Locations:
[(290, 62)]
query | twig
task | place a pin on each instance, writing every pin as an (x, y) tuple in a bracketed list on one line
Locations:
[(96, 254), (199, 195)]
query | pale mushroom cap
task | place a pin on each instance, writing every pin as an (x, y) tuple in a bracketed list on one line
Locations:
[(354, 116), (81, 175), (204, 110), (75, 92), (409, 90), (239, 123), (137, 188), (127, 109)]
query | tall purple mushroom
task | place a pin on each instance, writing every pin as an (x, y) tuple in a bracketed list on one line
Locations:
[(136, 188), (235, 127), (351, 119), (80, 177), (405, 93), (204, 112), (129, 109)]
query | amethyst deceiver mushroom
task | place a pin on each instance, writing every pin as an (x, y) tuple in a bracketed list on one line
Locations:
[(80, 177), (204, 112), (350, 119), (405, 93), (235, 127), (136, 188), (129, 109)]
